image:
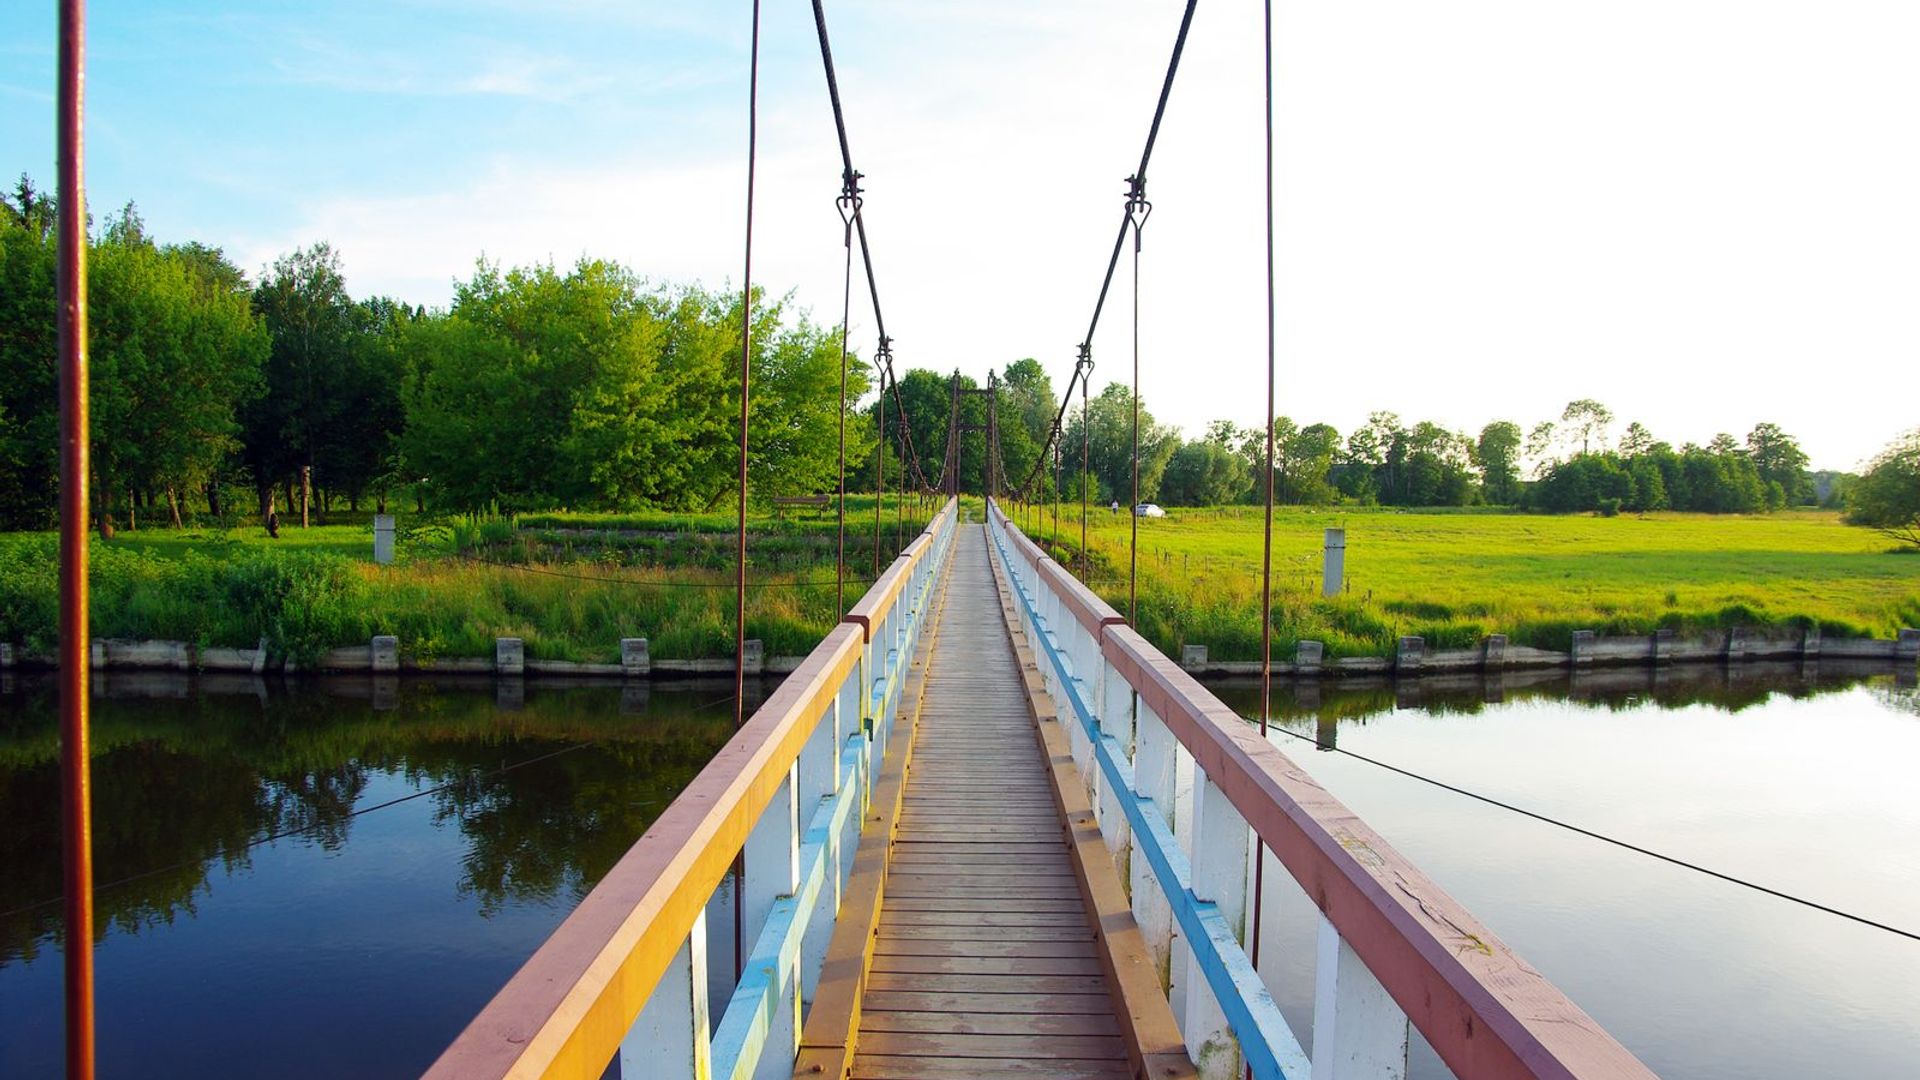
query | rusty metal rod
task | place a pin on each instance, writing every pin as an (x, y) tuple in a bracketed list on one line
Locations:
[(76, 789)]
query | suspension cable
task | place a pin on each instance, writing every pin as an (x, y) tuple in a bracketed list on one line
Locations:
[(1266, 543), (848, 204), (740, 560), (1138, 210)]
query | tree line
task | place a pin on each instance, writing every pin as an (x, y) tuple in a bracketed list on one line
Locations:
[(592, 388), (537, 387)]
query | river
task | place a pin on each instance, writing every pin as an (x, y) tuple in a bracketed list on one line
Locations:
[(324, 878)]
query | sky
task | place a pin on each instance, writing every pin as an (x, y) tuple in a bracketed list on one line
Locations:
[(1700, 212)]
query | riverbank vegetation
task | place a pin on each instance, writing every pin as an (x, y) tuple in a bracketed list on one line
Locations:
[(1454, 578)]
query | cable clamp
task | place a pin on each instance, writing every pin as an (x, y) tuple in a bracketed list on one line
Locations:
[(1138, 208), (849, 201)]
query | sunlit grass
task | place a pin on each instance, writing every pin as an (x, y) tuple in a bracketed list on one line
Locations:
[(1452, 578)]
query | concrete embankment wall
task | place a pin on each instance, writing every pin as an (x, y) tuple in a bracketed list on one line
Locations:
[(1589, 650), (1411, 657), (382, 655)]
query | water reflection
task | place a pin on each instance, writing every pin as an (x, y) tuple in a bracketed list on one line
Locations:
[(534, 790), (1799, 778)]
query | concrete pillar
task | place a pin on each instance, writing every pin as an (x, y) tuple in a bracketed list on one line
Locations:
[(509, 656), (635, 661), (1582, 654), (1307, 656), (97, 653), (6, 655), (1810, 642), (383, 539), (1412, 653), (1493, 656), (386, 653), (1663, 646), (260, 657), (1906, 647), (756, 656), (1333, 577), (1737, 644), (1193, 657)]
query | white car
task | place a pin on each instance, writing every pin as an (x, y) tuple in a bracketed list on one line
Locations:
[(1148, 510)]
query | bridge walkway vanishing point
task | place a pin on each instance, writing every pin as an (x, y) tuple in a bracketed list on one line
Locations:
[(987, 830), (987, 960)]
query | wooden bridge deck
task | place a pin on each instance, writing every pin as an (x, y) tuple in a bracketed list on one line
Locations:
[(986, 962)]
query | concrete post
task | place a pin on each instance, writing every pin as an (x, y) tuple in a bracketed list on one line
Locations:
[(97, 653), (6, 655), (509, 656), (1663, 646), (1737, 644), (1494, 654), (260, 657), (1412, 653), (383, 539), (1333, 577), (756, 656), (1810, 642), (1193, 657), (1906, 647), (386, 653), (635, 661), (1307, 656), (1582, 654)]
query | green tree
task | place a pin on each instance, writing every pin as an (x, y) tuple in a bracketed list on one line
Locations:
[(29, 390), (313, 327), (1111, 426), (1588, 420), (1497, 454), (1887, 496), (1204, 473), (1780, 461), (174, 346)]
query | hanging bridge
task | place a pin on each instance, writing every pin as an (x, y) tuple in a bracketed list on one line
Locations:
[(984, 830)]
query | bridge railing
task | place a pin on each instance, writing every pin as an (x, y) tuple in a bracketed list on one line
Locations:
[(1183, 788), (626, 976)]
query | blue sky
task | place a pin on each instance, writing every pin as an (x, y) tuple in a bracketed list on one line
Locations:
[(1698, 211)]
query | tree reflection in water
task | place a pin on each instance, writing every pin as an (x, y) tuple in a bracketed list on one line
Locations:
[(189, 773)]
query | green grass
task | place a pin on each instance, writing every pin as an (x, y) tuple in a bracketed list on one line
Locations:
[(455, 588), (1453, 578)]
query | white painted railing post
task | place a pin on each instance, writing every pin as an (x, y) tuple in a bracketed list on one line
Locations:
[(772, 857), (1153, 750), (670, 1039), (1220, 877), (1116, 722), (1358, 1031), (818, 776)]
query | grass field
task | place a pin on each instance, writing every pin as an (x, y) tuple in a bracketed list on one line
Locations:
[(1454, 577), (572, 585), (458, 585)]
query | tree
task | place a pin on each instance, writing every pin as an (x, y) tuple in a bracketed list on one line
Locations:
[(174, 345), (1204, 473), (1111, 425), (1539, 447), (1638, 440), (29, 392), (1779, 460), (1589, 420), (1497, 454), (312, 325), (1887, 496)]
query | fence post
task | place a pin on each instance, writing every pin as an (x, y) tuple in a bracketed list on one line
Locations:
[(1220, 844), (1153, 780), (1358, 1031), (670, 1039)]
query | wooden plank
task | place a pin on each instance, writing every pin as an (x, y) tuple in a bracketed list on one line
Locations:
[(891, 945), (880, 1067), (985, 965), (984, 919), (989, 984), (1008, 1047), (978, 904), (991, 1023), (905, 932), (952, 1004)]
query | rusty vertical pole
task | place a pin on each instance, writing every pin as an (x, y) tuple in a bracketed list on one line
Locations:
[(76, 787)]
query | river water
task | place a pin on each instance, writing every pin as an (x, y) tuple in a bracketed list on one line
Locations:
[(327, 878)]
